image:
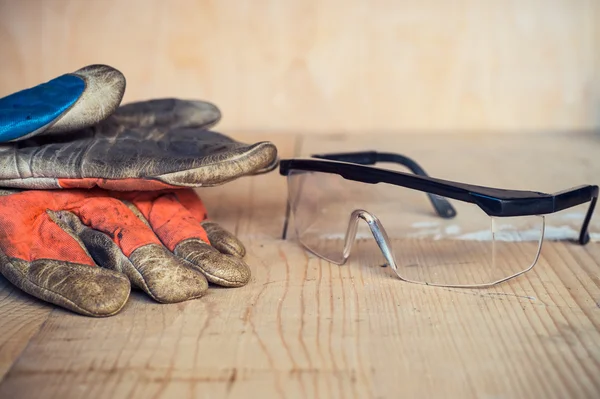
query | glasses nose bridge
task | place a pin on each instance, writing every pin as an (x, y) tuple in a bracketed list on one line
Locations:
[(378, 231)]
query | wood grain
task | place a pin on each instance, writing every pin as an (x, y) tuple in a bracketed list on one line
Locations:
[(306, 328), (323, 66), (21, 318)]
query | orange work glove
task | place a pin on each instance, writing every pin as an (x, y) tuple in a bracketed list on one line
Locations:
[(82, 249)]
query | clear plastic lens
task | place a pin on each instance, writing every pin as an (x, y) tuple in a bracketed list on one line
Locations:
[(469, 249)]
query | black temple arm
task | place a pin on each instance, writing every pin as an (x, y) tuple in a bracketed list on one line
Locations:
[(577, 196), (442, 206), (584, 235)]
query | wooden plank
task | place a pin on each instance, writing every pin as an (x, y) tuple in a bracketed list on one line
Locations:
[(22, 317), (314, 328), (306, 328), (325, 65)]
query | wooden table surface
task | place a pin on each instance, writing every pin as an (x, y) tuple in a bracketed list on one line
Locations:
[(306, 328)]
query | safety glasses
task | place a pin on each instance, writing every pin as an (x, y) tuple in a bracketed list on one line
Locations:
[(462, 236)]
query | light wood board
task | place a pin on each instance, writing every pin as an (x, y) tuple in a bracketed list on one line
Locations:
[(306, 328), (323, 66)]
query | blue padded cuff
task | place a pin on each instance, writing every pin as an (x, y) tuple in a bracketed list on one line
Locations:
[(29, 110)]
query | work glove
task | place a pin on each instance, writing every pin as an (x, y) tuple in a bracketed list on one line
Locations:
[(83, 249), (72, 132)]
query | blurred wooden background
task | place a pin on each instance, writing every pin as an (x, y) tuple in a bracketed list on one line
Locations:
[(329, 65)]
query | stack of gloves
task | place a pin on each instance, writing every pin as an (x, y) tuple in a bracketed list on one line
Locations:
[(98, 197)]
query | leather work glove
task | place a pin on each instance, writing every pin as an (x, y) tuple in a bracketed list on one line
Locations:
[(71, 132), (83, 249)]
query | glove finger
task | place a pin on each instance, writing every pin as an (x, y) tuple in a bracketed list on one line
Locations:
[(220, 162), (181, 232), (116, 237), (192, 202), (167, 113), (223, 240), (104, 90), (219, 238), (68, 102), (221, 269), (48, 263)]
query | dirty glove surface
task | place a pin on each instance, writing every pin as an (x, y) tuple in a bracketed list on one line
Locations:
[(83, 249), (72, 132)]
